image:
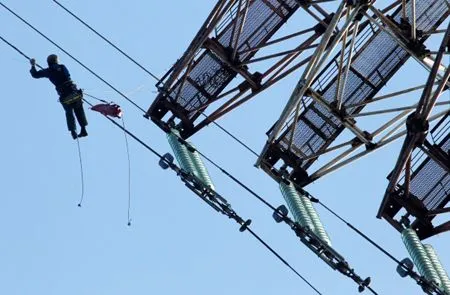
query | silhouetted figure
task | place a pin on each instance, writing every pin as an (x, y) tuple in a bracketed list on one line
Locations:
[(70, 97)]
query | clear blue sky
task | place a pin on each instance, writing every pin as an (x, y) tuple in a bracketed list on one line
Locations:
[(176, 244)]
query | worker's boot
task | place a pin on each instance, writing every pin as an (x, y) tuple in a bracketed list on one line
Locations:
[(83, 132), (74, 134)]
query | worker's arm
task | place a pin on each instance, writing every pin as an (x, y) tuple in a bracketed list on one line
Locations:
[(35, 73)]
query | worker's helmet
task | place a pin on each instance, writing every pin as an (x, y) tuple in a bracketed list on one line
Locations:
[(52, 59)]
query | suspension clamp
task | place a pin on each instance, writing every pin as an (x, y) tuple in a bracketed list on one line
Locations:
[(280, 213), (245, 225), (166, 161)]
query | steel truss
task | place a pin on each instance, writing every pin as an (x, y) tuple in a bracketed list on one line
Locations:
[(226, 64)]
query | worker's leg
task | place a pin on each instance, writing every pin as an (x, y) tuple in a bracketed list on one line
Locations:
[(70, 119), (79, 112), (81, 117)]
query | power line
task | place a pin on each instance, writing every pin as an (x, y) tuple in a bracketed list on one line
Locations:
[(147, 71), (17, 49), (106, 40), (243, 144), (413, 275), (233, 136), (313, 199), (175, 168), (282, 260), (359, 232)]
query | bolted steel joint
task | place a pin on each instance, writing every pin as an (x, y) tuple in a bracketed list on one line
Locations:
[(417, 126)]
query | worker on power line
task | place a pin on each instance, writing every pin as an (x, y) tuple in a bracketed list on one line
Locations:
[(70, 97)]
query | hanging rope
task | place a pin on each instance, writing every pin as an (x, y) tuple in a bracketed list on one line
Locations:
[(81, 173), (128, 158), (129, 172)]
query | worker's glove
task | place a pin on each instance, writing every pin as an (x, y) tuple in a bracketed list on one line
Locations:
[(33, 62)]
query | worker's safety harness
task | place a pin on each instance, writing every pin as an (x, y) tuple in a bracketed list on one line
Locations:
[(68, 92)]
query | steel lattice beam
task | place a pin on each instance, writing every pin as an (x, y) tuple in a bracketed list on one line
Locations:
[(322, 108), (232, 39)]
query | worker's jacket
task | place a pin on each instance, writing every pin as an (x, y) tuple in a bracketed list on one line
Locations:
[(59, 76)]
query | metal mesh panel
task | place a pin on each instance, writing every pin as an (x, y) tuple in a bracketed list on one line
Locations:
[(260, 22), (376, 64), (427, 13), (193, 98), (209, 74), (325, 127), (312, 141), (371, 68), (361, 92), (431, 183)]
